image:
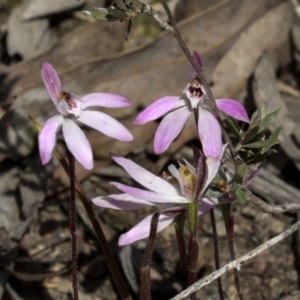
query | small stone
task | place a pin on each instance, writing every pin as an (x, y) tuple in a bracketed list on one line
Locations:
[(28, 39)]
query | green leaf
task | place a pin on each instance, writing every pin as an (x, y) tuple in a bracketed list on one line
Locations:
[(233, 126), (255, 119), (270, 152), (262, 144), (250, 134), (266, 149), (242, 169), (237, 178), (268, 119), (275, 133), (264, 110), (117, 13), (241, 195), (239, 175), (88, 14), (212, 192), (103, 14)]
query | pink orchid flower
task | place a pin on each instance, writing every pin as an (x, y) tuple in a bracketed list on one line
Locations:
[(71, 108), (178, 111), (179, 188)]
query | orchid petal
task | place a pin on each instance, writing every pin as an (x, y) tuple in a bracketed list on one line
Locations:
[(51, 81), (142, 229), (206, 204), (191, 168), (176, 174), (210, 133), (144, 177), (198, 61), (213, 165), (159, 108), (148, 195), (169, 128), (120, 202), (47, 138), (233, 109), (104, 100), (105, 124), (77, 143)]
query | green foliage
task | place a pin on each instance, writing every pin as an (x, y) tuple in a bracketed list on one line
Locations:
[(241, 195), (108, 14), (252, 146), (116, 13)]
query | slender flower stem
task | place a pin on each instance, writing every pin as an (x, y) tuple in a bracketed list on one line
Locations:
[(73, 224), (113, 268), (216, 247), (229, 225), (145, 288), (179, 226), (193, 244)]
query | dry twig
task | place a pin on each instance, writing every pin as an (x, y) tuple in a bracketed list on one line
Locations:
[(236, 263), (273, 209)]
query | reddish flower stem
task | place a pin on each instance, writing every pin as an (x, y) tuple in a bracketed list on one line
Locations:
[(113, 268), (229, 225), (216, 248), (193, 247), (145, 287), (73, 225), (179, 226)]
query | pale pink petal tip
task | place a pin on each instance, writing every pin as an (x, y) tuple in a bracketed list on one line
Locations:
[(158, 108), (104, 100), (198, 61), (169, 128), (51, 81), (47, 138), (206, 204), (142, 229), (78, 144), (120, 202), (144, 177), (105, 124), (233, 109), (149, 195), (210, 133)]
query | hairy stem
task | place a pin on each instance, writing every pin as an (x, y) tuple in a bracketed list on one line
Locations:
[(145, 288), (113, 268), (73, 224), (193, 245), (179, 226), (216, 248), (229, 225)]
